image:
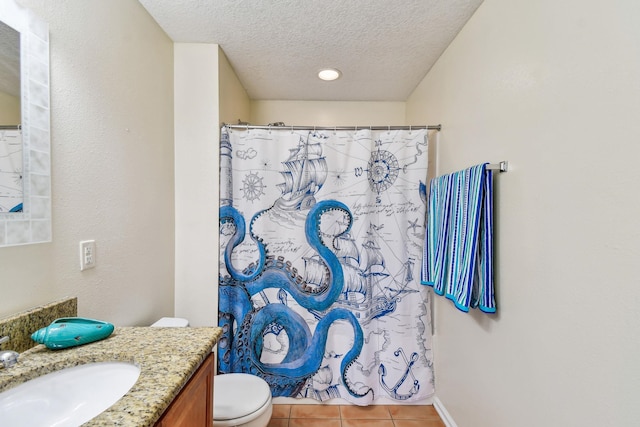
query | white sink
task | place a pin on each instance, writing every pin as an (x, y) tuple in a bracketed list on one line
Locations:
[(68, 397)]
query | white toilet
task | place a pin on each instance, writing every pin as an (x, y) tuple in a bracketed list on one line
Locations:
[(241, 400), (171, 322), (238, 399)]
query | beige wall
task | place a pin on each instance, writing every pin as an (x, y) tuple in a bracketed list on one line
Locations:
[(112, 167), (196, 163), (207, 93), (233, 99), (328, 113), (9, 109), (553, 88)]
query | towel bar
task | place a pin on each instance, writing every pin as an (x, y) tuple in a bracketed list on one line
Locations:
[(501, 167)]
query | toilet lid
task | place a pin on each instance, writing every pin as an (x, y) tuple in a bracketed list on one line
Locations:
[(238, 395)]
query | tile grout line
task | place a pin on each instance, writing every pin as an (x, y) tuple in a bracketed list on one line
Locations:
[(342, 420)]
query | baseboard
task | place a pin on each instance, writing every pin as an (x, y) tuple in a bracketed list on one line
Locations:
[(444, 414)]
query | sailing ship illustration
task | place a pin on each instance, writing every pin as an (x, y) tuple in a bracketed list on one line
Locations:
[(305, 171), (370, 291)]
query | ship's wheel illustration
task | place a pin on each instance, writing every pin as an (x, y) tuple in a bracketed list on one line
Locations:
[(382, 170), (252, 187)]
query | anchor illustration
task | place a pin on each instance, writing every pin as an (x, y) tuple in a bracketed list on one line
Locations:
[(393, 391)]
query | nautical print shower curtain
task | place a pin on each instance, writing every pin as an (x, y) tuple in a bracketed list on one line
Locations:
[(321, 236)]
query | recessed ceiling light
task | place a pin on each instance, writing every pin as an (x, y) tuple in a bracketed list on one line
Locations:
[(329, 74)]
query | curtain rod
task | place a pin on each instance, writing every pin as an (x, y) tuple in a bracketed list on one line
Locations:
[(281, 125), (10, 127)]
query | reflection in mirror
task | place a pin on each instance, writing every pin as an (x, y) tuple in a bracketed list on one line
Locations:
[(11, 164), (25, 178), (11, 161), (9, 75)]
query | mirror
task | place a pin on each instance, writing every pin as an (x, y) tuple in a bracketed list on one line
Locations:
[(25, 160)]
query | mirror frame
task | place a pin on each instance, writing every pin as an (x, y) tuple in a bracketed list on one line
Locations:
[(33, 224)]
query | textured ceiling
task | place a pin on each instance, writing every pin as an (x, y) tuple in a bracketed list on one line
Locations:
[(382, 47)]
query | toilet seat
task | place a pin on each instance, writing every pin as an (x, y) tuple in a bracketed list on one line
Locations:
[(240, 398)]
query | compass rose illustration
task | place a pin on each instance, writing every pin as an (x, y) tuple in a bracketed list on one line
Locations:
[(382, 170)]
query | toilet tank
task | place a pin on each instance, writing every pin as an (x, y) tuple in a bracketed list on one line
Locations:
[(171, 322)]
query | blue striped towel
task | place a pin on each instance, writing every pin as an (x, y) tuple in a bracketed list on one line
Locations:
[(458, 250)]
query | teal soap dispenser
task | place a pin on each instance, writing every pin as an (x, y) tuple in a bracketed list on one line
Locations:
[(71, 332)]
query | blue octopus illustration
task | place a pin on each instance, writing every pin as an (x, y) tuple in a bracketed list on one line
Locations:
[(240, 350)]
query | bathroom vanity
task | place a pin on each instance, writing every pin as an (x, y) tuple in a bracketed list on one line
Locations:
[(194, 405), (176, 374)]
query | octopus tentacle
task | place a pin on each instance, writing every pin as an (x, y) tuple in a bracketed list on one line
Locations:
[(234, 305), (307, 355), (306, 351), (231, 214), (277, 278)]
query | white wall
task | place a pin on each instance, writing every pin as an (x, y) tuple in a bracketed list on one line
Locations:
[(196, 164), (553, 88), (112, 167)]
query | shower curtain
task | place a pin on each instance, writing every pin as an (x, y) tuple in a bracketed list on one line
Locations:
[(321, 237)]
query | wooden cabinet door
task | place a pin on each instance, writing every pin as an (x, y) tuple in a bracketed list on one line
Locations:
[(193, 407)]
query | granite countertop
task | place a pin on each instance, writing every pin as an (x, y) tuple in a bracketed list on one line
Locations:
[(167, 357)]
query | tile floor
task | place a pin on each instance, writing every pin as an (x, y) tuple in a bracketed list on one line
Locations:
[(355, 416)]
